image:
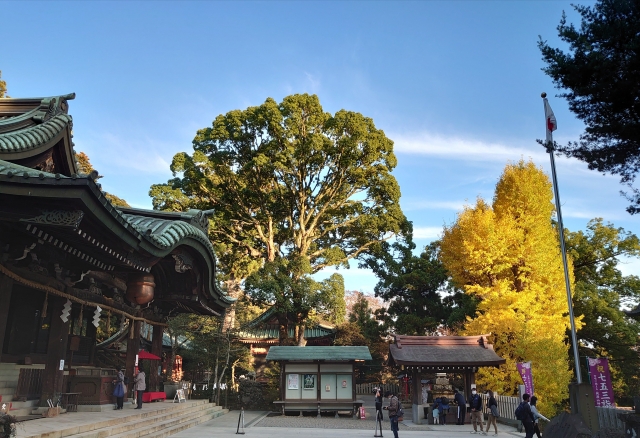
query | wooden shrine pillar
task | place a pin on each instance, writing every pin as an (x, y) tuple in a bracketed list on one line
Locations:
[(156, 348), (6, 285), (53, 376), (416, 392), (133, 348)]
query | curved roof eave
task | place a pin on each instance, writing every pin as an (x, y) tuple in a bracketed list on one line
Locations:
[(133, 230)]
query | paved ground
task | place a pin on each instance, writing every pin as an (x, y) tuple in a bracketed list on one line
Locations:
[(262, 425)]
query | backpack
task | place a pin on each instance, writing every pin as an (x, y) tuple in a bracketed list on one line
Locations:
[(520, 412), (444, 400), (126, 380), (400, 412)]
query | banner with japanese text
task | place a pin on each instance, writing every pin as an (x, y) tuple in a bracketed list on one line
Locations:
[(601, 382), (524, 368)]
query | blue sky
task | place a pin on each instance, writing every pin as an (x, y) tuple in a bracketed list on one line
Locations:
[(455, 84)]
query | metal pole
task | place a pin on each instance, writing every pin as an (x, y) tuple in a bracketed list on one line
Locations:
[(556, 195)]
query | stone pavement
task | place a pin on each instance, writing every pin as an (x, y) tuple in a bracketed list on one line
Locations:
[(260, 424)]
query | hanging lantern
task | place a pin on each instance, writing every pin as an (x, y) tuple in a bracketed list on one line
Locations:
[(140, 288)]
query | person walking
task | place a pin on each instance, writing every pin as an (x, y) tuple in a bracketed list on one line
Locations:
[(526, 415), (139, 386), (493, 413), (462, 406), (119, 389), (475, 404), (536, 416), (393, 408)]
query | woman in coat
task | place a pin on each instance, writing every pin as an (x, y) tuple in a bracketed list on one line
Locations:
[(493, 412), (118, 389), (536, 416)]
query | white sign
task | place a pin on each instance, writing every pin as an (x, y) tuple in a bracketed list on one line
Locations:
[(292, 381), (61, 365), (136, 364)]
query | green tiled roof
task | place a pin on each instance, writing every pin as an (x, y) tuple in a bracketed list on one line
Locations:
[(278, 352), (166, 233), (270, 332), (7, 167), (34, 136)]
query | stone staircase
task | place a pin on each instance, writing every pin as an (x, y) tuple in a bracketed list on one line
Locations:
[(9, 374), (163, 420)]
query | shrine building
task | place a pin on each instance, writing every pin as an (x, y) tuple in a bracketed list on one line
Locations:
[(71, 261)]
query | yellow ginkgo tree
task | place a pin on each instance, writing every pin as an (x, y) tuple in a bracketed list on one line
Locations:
[(507, 254)]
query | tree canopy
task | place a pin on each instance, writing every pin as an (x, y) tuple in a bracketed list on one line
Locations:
[(507, 256), (600, 292), (600, 78), (290, 181)]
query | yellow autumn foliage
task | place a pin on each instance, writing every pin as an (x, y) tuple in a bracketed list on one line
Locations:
[(507, 255)]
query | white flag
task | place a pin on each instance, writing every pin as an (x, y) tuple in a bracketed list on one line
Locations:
[(550, 119)]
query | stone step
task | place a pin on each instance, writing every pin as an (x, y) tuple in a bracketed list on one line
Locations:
[(179, 428), (20, 409), (103, 426), (160, 424), (146, 423)]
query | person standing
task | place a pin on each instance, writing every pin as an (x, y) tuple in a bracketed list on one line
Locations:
[(493, 413), (475, 404), (462, 406), (378, 400), (393, 408), (119, 389), (140, 386), (526, 416), (536, 416)]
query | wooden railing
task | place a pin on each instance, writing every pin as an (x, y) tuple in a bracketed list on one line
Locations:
[(29, 384), (367, 388)]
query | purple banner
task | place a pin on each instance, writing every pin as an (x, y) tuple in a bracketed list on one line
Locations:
[(601, 382), (524, 368)]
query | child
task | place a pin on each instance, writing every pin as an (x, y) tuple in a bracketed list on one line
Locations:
[(436, 415)]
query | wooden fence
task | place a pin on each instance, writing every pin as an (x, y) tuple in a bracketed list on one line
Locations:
[(29, 384), (367, 388), (506, 406)]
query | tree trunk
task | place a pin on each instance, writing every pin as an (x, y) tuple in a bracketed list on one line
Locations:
[(301, 339), (234, 291), (283, 326)]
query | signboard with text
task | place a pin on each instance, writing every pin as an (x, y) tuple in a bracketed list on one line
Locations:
[(601, 382), (524, 369)]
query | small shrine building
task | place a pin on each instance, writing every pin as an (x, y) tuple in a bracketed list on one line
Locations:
[(462, 355)]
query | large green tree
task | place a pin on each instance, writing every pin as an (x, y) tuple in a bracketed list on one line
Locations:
[(412, 285), (290, 181), (600, 78), (600, 291)]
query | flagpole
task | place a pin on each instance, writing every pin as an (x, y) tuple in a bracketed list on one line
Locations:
[(556, 195)]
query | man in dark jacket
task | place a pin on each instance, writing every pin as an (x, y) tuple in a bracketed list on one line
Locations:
[(527, 420), (462, 406), (394, 406), (475, 404)]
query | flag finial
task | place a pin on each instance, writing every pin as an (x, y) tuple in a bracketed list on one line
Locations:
[(543, 95)]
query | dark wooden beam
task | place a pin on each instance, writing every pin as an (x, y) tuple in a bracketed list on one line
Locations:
[(6, 286), (156, 348), (52, 379), (133, 347)]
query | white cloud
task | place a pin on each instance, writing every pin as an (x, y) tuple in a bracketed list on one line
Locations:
[(434, 205), (427, 232), (460, 148)]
